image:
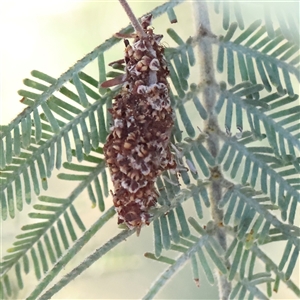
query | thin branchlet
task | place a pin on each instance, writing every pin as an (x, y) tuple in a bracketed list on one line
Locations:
[(134, 21), (207, 80)]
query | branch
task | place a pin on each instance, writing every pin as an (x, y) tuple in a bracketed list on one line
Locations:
[(71, 253), (134, 21), (208, 81), (168, 273), (87, 263)]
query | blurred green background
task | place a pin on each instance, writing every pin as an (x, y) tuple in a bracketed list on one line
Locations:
[(51, 36)]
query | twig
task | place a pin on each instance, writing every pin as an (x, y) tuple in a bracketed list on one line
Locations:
[(169, 272), (134, 21), (207, 80), (98, 253), (61, 263)]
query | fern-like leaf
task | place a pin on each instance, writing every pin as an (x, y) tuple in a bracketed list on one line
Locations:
[(270, 55)]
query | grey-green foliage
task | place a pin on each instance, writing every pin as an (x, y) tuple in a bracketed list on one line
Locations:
[(262, 66)]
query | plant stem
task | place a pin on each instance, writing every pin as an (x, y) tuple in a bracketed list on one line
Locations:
[(98, 253), (168, 273), (134, 21), (211, 127), (71, 253)]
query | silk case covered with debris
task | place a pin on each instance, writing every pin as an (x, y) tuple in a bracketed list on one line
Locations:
[(137, 150)]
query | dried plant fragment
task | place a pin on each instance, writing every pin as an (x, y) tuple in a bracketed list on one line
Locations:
[(137, 150)]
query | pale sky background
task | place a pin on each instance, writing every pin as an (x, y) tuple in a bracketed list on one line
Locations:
[(50, 36)]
